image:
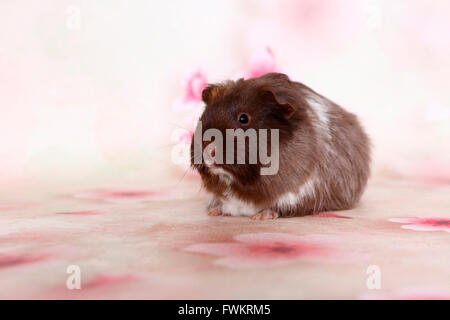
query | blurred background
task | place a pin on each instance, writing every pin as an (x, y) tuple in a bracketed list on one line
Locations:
[(108, 90)]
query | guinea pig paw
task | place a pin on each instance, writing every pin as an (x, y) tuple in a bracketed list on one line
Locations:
[(265, 215), (214, 213)]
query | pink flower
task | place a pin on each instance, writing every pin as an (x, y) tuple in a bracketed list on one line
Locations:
[(186, 137), (267, 249), (331, 215), (261, 62), (120, 196), (193, 86), (424, 223)]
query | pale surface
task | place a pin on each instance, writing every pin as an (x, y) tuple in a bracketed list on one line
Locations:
[(156, 248)]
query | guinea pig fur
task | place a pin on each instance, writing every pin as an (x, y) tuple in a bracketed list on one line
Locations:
[(324, 153)]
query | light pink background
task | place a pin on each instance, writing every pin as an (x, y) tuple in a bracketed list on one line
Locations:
[(87, 87)]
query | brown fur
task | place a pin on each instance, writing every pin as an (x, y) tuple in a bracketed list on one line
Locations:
[(336, 159)]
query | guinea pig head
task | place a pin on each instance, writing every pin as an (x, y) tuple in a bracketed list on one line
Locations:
[(244, 127)]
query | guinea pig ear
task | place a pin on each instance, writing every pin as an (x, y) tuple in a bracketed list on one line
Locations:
[(209, 93), (284, 107)]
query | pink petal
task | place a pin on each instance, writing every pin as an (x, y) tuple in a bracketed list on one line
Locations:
[(271, 249), (331, 215), (419, 227), (424, 223), (270, 238), (249, 263), (261, 63), (193, 86), (83, 213), (403, 220), (251, 260), (434, 218), (218, 249), (12, 259), (102, 280), (266, 237)]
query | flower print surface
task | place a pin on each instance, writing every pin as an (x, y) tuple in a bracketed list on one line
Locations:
[(269, 249), (109, 279), (83, 213), (331, 215), (424, 223), (120, 196), (12, 259)]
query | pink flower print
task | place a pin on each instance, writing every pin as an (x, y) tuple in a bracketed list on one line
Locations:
[(424, 223), (331, 215), (120, 196), (100, 286), (193, 87), (83, 213), (106, 279), (261, 63), (259, 250), (12, 259)]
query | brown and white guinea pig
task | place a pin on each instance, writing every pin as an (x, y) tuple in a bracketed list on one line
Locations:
[(324, 154)]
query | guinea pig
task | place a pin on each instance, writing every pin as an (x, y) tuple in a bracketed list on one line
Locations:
[(322, 150)]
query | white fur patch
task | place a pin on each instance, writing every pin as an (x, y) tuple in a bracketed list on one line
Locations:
[(319, 111), (231, 205), (223, 175), (236, 207), (320, 108), (292, 199), (289, 199), (308, 188)]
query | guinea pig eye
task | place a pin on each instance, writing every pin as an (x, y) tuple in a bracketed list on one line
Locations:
[(244, 118)]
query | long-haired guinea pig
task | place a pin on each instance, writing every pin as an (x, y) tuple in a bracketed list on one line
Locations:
[(322, 152)]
